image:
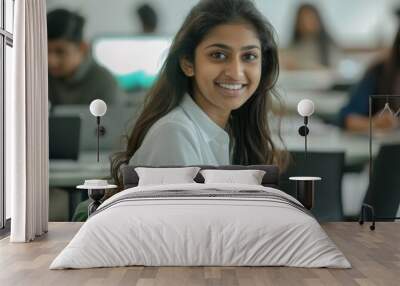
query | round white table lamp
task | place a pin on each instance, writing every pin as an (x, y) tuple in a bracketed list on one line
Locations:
[(98, 107), (305, 107)]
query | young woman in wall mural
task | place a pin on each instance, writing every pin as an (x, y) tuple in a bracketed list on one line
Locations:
[(213, 95), (211, 100)]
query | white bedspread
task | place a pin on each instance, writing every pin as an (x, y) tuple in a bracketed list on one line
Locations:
[(183, 231)]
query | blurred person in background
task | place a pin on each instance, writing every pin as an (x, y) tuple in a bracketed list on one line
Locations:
[(74, 77), (148, 18), (311, 46), (139, 80), (382, 78), (130, 82)]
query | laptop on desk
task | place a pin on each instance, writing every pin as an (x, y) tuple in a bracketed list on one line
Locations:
[(64, 137), (117, 122)]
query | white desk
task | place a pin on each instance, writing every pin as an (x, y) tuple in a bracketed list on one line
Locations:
[(69, 173), (328, 138), (321, 79), (322, 138), (294, 86), (325, 102)]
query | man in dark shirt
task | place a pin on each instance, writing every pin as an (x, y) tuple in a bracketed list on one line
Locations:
[(74, 77)]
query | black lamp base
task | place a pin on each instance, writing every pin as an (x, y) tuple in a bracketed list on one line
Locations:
[(305, 193), (305, 190), (96, 195)]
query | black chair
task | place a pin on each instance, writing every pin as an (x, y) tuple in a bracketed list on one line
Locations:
[(328, 192), (383, 192)]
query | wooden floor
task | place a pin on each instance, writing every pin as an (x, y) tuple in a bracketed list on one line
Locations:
[(374, 255)]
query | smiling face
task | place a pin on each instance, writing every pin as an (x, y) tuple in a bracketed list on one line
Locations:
[(226, 70)]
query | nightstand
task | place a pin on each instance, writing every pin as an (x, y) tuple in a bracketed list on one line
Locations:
[(96, 191), (305, 190)]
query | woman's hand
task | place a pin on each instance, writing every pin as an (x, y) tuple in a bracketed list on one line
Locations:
[(385, 121)]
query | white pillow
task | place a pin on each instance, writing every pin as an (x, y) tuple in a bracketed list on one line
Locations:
[(248, 177), (163, 176)]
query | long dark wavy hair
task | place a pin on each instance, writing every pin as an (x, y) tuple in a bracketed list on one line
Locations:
[(391, 69), (323, 38), (248, 125)]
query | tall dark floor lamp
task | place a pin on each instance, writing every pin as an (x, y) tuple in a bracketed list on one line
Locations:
[(305, 184), (97, 187), (364, 206), (386, 108)]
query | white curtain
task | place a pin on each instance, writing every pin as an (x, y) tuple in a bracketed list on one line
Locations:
[(27, 124)]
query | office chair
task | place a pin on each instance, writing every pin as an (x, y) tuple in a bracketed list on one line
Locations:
[(328, 192)]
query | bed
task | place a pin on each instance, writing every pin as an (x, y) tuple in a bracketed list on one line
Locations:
[(201, 224)]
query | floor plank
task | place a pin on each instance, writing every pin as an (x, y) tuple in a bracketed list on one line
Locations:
[(374, 255)]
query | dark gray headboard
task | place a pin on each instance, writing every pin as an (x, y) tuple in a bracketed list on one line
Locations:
[(270, 179)]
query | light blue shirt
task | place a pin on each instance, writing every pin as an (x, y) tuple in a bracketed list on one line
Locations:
[(185, 136)]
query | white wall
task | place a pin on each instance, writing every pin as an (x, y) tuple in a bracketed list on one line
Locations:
[(352, 23)]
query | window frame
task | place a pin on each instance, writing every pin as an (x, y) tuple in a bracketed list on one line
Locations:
[(6, 39)]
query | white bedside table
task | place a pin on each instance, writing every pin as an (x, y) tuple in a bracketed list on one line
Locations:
[(305, 190), (96, 191)]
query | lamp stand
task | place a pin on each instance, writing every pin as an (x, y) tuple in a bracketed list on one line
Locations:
[(303, 131), (305, 138), (98, 137), (96, 195)]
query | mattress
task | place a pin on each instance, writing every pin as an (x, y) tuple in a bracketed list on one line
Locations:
[(201, 225)]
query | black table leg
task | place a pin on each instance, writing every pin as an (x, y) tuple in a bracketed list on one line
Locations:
[(96, 195), (305, 193)]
